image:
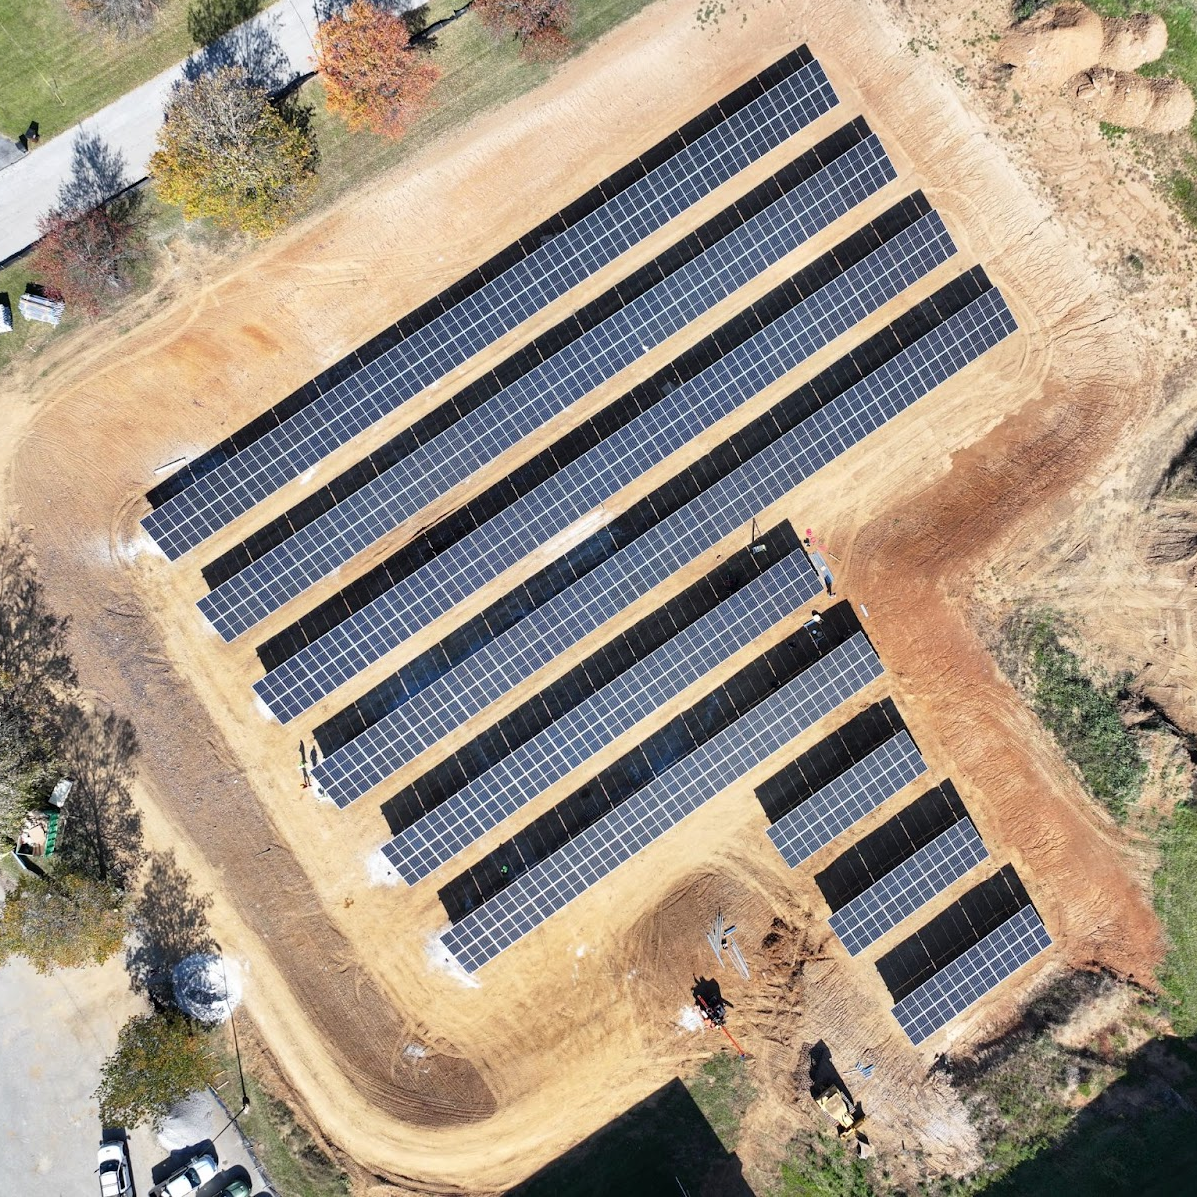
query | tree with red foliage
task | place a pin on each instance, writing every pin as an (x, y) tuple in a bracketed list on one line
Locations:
[(540, 26), (372, 75), (94, 234)]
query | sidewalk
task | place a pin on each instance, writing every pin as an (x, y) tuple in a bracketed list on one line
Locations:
[(276, 48)]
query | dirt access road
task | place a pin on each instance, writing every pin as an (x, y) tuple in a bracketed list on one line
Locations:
[(418, 1077)]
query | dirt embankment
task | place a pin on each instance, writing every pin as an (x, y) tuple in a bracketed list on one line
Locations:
[(1092, 60)]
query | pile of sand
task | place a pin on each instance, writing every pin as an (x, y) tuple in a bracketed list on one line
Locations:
[(1053, 45), (1154, 105), (1093, 60), (1132, 43)]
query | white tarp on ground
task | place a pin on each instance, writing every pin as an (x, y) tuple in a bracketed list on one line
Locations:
[(207, 988)]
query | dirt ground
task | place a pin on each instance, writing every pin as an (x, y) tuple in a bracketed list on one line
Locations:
[(1032, 473)]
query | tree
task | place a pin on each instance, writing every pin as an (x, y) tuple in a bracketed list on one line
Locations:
[(35, 674), (159, 1060), (228, 154), (88, 260), (67, 922), (372, 75), (540, 26)]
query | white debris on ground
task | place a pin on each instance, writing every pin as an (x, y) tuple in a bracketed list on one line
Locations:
[(415, 1051), (689, 1019), (188, 1123), (207, 988), (380, 871), (444, 961)]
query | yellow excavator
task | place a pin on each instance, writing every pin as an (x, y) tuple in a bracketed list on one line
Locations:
[(834, 1104)]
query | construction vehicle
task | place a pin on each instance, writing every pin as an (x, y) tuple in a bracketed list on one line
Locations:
[(714, 1011), (834, 1103)]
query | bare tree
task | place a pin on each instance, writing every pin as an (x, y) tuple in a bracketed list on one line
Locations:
[(123, 17)]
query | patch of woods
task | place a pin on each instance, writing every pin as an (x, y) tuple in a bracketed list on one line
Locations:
[(98, 893)]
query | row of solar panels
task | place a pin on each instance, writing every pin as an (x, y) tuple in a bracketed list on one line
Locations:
[(893, 873), (227, 488)]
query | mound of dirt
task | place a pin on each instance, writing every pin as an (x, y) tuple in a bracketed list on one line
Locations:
[(1053, 45), (1133, 42), (1132, 102)]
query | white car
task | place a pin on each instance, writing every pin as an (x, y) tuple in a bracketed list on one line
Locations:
[(116, 1180), (191, 1178)]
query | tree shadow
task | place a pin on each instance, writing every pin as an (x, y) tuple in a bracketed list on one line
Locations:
[(253, 47), (170, 922), (97, 174), (102, 836), (208, 20), (35, 667)]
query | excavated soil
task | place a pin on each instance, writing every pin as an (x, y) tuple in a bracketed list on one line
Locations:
[(1030, 473)]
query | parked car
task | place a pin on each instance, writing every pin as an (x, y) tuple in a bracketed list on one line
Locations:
[(116, 1177), (235, 1188), (193, 1176)]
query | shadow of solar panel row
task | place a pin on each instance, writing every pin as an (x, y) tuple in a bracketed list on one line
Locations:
[(846, 800), (637, 767), (972, 975), (690, 409), (549, 388), (483, 506), (912, 884), (662, 804), (881, 851), (526, 477), (686, 412), (333, 418), (678, 539), (600, 720)]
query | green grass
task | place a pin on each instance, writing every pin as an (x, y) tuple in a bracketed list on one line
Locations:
[(479, 74), (1080, 710), (823, 1168), (27, 338), (1176, 902), (722, 1090), (57, 70), (294, 1164), (1182, 191)]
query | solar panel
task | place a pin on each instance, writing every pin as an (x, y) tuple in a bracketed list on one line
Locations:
[(972, 975), (596, 475), (914, 882), (510, 658), (522, 407), (662, 804), (428, 354), (847, 799), (589, 727)]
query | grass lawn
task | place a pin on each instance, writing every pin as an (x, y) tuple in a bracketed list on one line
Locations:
[(57, 70), (478, 74)]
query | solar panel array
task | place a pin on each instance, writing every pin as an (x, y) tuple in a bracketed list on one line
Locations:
[(496, 308), (662, 804), (596, 475), (972, 975), (914, 882), (847, 799), (545, 391), (601, 719), (578, 610)]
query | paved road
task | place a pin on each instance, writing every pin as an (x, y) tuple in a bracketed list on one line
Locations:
[(54, 1033), (276, 46)]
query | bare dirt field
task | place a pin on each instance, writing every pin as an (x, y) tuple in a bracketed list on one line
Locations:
[(1030, 474)]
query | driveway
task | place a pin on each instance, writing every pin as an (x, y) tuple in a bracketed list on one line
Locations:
[(55, 1032), (275, 46)]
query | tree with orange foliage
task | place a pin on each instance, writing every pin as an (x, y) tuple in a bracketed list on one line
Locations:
[(372, 75), (540, 26)]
